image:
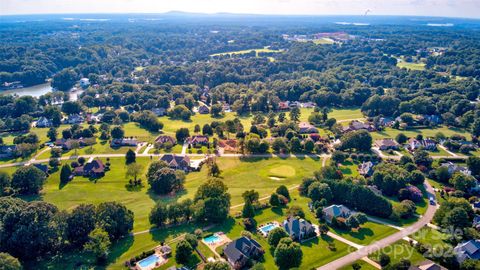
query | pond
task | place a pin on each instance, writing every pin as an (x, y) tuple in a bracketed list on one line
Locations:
[(34, 91)]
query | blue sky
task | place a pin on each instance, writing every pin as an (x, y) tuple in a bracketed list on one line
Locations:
[(447, 8)]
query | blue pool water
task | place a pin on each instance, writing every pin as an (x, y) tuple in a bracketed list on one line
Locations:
[(150, 260), (267, 228), (212, 239)]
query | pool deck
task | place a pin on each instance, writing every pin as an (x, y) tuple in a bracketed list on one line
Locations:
[(223, 240), (160, 261), (265, 234)]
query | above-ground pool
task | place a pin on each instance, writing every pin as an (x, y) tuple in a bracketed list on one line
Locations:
[(212, 239), (267, 228), (149, 261)]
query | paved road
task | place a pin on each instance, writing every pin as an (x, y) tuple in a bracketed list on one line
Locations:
[(366, 250)]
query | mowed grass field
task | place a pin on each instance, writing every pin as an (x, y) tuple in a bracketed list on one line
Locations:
[(426, 132), (398, 251), (257, 51), (411, 66), (263, 175)]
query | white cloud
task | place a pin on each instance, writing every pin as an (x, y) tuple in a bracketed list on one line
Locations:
[(453, 8)]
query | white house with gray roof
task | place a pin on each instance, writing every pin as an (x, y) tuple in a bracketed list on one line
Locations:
[(336, 211)]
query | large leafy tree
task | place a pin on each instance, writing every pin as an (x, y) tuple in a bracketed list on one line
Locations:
[(28, 180), (166, 180), (360, 140), (80, 223), (212, 201), (115, 219), (288, 254)]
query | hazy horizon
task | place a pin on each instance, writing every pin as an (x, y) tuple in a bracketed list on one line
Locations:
[(429, 8)]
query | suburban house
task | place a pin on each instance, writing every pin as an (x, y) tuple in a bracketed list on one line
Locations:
[(93, 168), (230, 145), (427, 265), (298, 228), (467, 250), (198, 140), (283, 105), (431, 118), (307, 128), (386, 144), (453, 168), (241, 250), (386, 121), (357, 125), (73, 119), (162, 139), (203, 109), (308, 104), (84, 82), (159, 111), (69, 143), (43, 122), (124, 142), (366, 168), (335, 211), (7, 151), (177, 162), (427, 144)]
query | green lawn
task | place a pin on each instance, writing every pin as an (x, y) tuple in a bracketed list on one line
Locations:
[(427, 132), (429, 236), (411, 66), (398, 251), (368, 233), (349, 168), (324, 41), (364, 266), (257, 51)]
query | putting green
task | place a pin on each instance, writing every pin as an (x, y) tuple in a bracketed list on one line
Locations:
[(282, 171)]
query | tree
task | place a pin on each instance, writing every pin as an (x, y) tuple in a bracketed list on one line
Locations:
[(5, 182), (80, 223), (422, 157), (183, 252), (295, 211), (442, 174), (212, 201), (8, 262), (360, 140), (71, 107), (274, 200), (65, 173), (52, 134), (473, 164), (295, 114), (158, 215), (417, 177), (457, 218), (65, 79), (181, 134), (218, 265), (384, 260), (463, 182), (130, 157), (401, 138), (117, 132), (28, 180), (283, 190), (250, 195), (115, 219), (98, 243), (288, 254), (318, 191), (191, 239), (469, 264), (216, 110), (248, 210), (275, 235), (213, 169), (134, 170), (166, 180)]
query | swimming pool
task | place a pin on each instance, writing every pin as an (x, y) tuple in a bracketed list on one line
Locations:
[(267, 228), (149, 261), (212, 239)]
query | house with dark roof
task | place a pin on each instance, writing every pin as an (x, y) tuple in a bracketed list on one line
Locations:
[(298, 228), (163, 139), (241, 250), (336, 211), (366, 168), (198, 140), (68, 144), (307, 128), (467, 250), (43, 122), (357, 125), (177, 162), (132, 142), (203, 109), (386, 144), (427, 265), (93, 168), (7, 151)]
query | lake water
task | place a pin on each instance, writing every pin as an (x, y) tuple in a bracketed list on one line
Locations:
[(34, 91), (40, 89)]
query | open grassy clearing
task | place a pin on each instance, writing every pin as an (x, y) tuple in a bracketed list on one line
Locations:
[(429, 236), (411, 66), (427, 132), (367, 234), (324, 41), (398, 251), (364, 266), (257, 51)]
